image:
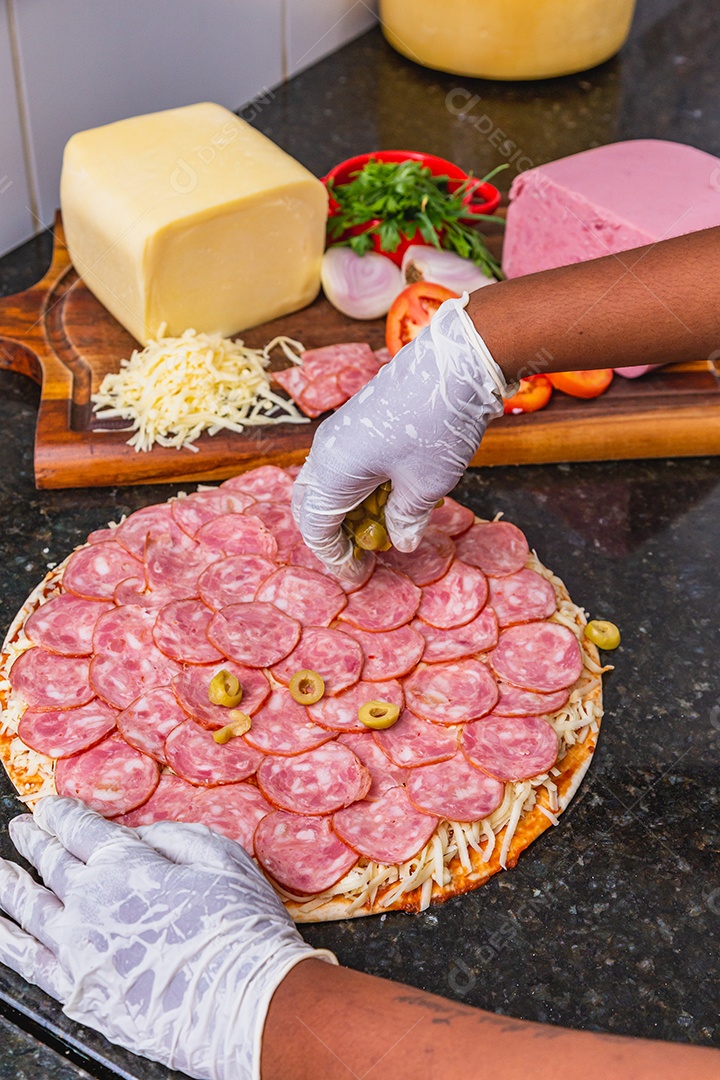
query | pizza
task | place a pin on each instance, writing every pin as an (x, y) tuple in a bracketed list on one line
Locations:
[(105, 676)]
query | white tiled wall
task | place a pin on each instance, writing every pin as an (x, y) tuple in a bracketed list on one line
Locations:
[(87, 62)]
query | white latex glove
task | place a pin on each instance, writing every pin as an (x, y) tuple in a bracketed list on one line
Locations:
[(166, 939), (418, 424)]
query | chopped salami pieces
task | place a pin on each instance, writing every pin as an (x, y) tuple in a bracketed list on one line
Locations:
[(278, 520), (65, 624), (390, 654), (191, 687), (452, 517), (267, 483), (456, 599), (301, 555), (235, 810), (496, 547), (428, 563), (60, 733), (283, 727), (148, 721), (538, 656), (383, 773), (192, 753), (477, 636), (170, 801), (47, 681), (111, 778), (203, 506), (238, 534), (255, 634), (516, 702), (454, 790), (119, 680), (123, 631), (180, 632), (412, 741), (334, 655), (234, 580), (340, 713), (302, 854), (93, 572), (311, 598), (388, 600), (451, 693), (522, 597), (387, 830), (156, 520), (175, 570), (316, 782), (511, 748)]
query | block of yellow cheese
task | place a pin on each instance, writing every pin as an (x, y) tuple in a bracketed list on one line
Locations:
[(191, 218)]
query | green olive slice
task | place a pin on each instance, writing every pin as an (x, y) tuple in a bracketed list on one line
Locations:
[(306, 687), (370, 535), (225, 689), (602, 633), (378, 715), (240, 722)]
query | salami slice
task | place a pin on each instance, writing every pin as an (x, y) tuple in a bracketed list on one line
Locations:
[(170, 801), (454, 790), (267, 483), (175, 570), (456, 599), (388, 600), (60, 733), (509, 748), (351, 380), (311, 598), (321, 394), (333, 654), (278, 520), (134, 592), (155, 520), (92, 572), (522, 597), (233, 580), (451, 693), (333, 358), (48, 681), (99, 536), (538, 656), (413, 741), (388, 655), (118, 681), (340, 713), (383, 773), (515, 702), (293, 381), (454, 518), (123, 632), (477, 636), (192, 753), (180, 632), (428, 563), (496, 547), (255, 634), (197, 509), (234, 810), (148, 721), (316, 782), (283, 727), (111, 778), (301, 555), (65, 624), (302, 854), (388, 830), (238, 534), (191, 688)]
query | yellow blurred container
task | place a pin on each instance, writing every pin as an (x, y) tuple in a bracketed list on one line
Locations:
[(507, 39)]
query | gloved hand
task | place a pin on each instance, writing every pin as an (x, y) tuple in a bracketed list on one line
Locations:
[(417, 423), (166, 939)]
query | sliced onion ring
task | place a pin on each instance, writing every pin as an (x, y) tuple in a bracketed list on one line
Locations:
[(443, 268), (361, 286)]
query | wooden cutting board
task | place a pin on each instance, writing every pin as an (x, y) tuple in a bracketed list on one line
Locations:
[(58, 334)]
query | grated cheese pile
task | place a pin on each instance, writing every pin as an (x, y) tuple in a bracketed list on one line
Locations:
[(178, 387)]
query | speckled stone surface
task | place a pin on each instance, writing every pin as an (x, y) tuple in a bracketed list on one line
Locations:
[(611, 921)]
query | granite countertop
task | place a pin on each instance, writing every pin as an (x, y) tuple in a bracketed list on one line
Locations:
[(611, 921)]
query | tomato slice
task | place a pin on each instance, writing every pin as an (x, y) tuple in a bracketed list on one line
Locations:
[(582, 384), (412, 309), (534, 394)]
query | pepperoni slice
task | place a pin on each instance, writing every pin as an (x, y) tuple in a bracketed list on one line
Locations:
[(49, 681), (515, 702), (255, 634), (196, 510), (538, 656), (283, 727), (170, 801), (119, 680), (497, 547), (316, 782), (389, 655), (451, 693), (65, 624), (180, 632), (92, 572), (301, 555), (509, 748), (333, 654), (111, 778), (311, 598), (192, 753), (522, 597), (413, 741), (388, 600), (148, 721), (454, 518), (340, 713), (388, 830), (234, 810), (383, 773), (191, 688), (302, 854), (234, 580), (454, 790), (479, 635), (428, 563), (267, 483), (155, 520), (278, 520), (238, 534), (60, 733), (175, 570), (456, 599)]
